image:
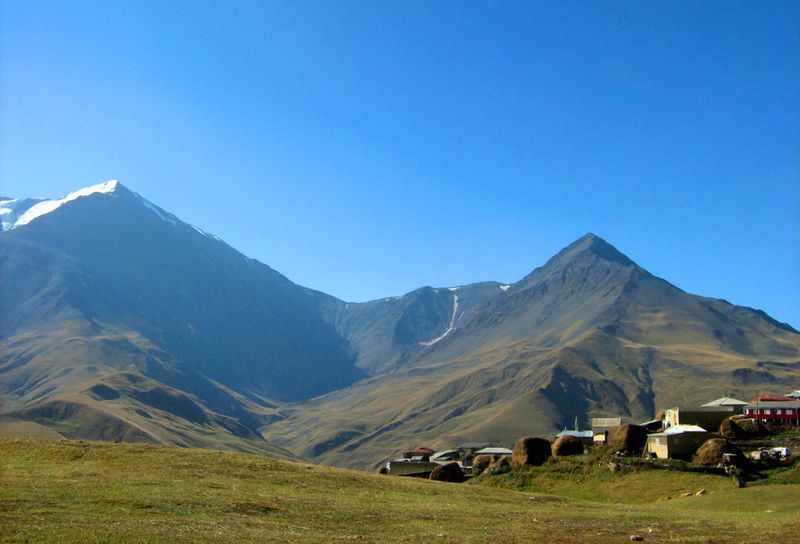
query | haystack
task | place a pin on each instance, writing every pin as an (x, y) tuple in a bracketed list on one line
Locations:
[(567, 445), (481, 463), (531, 451), (741, 427), (450, 472), (729, 428), (751, 427), (627, 437), (712, 450), (499, 462)]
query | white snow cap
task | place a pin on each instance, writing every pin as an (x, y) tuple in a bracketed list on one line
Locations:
[(46, 206)]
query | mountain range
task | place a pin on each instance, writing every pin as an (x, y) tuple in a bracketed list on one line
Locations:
[(119, 321)]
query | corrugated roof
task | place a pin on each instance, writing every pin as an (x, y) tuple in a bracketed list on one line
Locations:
[(578, 434), (494, 451), (774, 405), (472, 445), (769, 397), (679, 429), (726, 401)]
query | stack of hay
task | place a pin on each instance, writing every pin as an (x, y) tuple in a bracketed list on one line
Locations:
[(530, 451), (486, 463), (628, 438), (741, 427), (567, 445), (712, 451), (450, 472)]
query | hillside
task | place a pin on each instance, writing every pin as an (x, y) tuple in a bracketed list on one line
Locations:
[(86, 492), (588, 334), (122, 322)]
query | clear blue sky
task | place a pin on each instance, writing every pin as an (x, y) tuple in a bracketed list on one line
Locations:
[(369, 148)]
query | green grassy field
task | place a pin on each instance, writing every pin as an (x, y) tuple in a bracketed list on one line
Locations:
[(64, 491)]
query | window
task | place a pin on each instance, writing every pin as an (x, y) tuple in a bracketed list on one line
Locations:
[(789, 412), (767, 411), (778, 411)]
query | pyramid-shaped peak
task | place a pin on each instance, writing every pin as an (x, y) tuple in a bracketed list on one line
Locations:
[(593, 244)]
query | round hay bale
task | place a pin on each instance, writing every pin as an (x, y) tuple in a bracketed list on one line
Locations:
[(567, 445), (531, 451), (628, 438), (712, 450), (481, 463), (450, 472)]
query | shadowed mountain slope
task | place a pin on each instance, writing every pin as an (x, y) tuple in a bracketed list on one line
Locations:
[(121, 322), (107, 283), (588, 334)]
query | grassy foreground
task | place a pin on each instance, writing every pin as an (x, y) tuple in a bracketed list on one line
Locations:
[(62, 491)]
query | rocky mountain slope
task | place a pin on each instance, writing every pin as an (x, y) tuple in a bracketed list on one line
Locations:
[(119, 321), (588, 334)]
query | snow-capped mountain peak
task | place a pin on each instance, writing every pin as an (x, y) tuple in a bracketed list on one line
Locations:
[(18, 212)]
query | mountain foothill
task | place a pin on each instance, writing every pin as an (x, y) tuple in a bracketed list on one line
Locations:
[(121, 322)]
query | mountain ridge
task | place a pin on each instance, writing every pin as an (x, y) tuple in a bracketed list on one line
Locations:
[(121, 321)]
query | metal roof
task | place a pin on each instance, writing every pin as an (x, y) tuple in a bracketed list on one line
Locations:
[(494, 451), (726, 401), (578, 434), (680, 429), (771, 405), (472, 445)]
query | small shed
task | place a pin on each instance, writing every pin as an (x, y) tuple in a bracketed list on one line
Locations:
[(678, 441)]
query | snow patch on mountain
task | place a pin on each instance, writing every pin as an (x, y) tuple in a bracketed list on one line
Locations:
[(169, 218), (450, 328), (43, 207)]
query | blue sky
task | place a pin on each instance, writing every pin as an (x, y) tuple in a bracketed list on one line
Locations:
[(369, 148)]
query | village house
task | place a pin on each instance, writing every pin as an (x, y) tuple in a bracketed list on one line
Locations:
[(677, 442), (468, 451), (787, 411), (601, 426), (736, 404), (707, 417)]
